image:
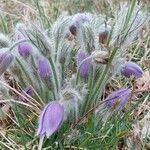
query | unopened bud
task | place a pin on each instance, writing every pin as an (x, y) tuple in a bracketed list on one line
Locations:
[(104, 31), (100, 56)]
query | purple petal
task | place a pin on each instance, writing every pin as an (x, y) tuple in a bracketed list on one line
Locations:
[(55, 117), (44, 68), (122, 95), (51, 119), (86, 66), (24, 48), (132, 69), (42, 126)]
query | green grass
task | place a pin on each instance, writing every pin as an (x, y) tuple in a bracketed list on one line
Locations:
[(85, 130)]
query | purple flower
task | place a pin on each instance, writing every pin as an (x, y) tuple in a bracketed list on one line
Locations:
[(131, 69), (24, 48), (86, 66), (77, 20), (28, 91), (6, 58), (51, 119), (80, 18), (118, 99), (44, 68)]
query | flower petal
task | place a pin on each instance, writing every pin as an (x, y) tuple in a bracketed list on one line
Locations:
[(132, 69), (51, 119), (118, 98), (54, 118), (86, 66)]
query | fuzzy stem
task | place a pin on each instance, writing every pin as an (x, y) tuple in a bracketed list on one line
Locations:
[(129, 13), (55, 77), (98, 104), (90, 87), (18, 42), (102, 79), (41, 143), (91, 110)]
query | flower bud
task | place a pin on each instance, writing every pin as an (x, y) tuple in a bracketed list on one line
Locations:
[(77, 20), (6, 58), (73, 29), (51, 119), (104, 31), (44, 68), (24, 48), (131, 69), (86, 66)]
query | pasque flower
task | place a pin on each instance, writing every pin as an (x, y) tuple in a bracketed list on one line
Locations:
[(24, 48), (77, 20), (6, 58), (85, 68), (51, 118), (118, 99), (131, 69), (44, 68)]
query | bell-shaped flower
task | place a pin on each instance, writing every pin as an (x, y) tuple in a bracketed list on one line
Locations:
[(51, 118), (24, 48), (6, 58), (85, 68), (118, 99), (44, 67), (131, 69)]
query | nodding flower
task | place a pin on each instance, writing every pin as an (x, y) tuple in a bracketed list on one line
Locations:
[(131, 69), (118, 99), (77, 20), (6, 58), (44, 67), (51, 119), (24, 48), (85, 68)]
